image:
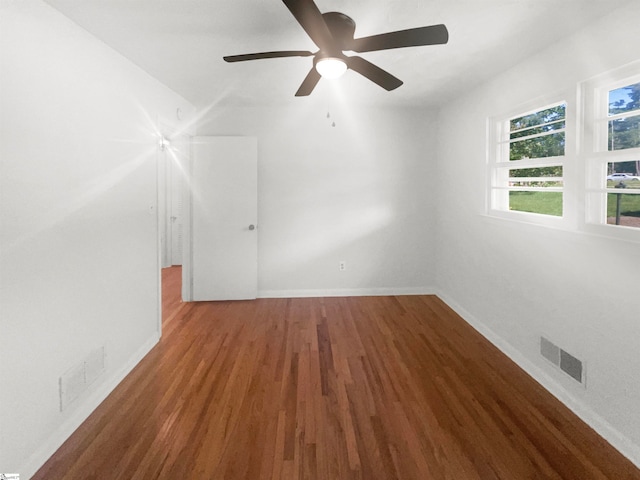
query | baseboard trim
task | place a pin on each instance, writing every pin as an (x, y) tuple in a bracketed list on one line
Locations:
[(618, 440), (91, 402), (347, 292)]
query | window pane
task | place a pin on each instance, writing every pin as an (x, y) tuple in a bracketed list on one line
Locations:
[(624, 133), (623, 175), (536, 177), (537, 130), (538, 118), (623, 209), (551, 145), (625, 99), (546, 203)]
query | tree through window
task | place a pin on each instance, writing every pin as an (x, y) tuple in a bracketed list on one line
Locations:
[(528, 175), (624, 117)]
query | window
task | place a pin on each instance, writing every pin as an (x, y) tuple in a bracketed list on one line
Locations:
[(624, 117), (572, 164), (528, 162), (613, 179)]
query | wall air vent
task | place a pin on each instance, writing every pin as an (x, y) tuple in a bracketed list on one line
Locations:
[(563, 360), (78, 378)]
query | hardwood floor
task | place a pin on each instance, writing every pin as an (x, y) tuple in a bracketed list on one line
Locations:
[(333, 388)]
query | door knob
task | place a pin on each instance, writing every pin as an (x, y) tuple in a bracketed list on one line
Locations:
[(252, 227)]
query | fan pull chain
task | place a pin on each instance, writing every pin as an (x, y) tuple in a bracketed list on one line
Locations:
[(333, 123)]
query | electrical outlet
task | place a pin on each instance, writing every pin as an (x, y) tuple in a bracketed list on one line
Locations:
[(342, 266)]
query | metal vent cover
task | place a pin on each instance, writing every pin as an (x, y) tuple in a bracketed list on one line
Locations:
[(566, 362)]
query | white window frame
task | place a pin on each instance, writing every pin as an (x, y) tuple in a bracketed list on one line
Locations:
[(499, 165), (594, 94)]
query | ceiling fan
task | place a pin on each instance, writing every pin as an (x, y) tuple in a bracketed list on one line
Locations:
[(333, 33)]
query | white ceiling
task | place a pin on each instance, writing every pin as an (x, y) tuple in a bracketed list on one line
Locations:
[(182, 42)]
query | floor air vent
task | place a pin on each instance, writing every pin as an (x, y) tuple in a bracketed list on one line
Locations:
[(564, 360)]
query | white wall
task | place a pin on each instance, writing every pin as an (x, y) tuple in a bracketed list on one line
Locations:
[(359, 192), (79, 257), (79, 248), (515, 281)]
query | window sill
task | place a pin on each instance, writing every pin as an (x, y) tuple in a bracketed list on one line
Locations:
[(532, 220), (616, 232), (527, 218)]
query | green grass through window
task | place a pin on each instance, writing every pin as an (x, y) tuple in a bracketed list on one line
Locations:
[(550, 203), (546, 203), (629, 205)]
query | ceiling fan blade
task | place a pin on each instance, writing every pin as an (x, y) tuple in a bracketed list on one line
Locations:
[(309, 83), (257, 56), (373, 73), (413, 37), (309, 17)]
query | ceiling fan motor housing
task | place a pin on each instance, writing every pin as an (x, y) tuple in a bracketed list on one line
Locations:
[(342, 28)]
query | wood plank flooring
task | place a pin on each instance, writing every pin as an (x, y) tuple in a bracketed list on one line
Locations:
[(334, 388)]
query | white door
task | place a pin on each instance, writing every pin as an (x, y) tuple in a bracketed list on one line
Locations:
[(224, 214)]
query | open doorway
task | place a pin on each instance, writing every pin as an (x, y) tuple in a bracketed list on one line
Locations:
[(171, 194), (172, 185)]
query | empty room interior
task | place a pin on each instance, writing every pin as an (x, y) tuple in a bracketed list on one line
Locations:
[(217, 263)]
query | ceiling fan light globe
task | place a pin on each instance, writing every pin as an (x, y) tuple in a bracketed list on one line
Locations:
[(331, 67)]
